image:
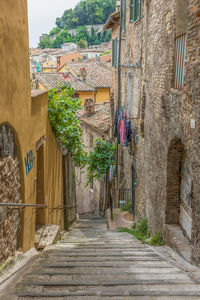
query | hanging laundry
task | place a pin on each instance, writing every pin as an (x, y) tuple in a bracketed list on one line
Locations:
[(128, 132), (116, 120), (122, 132)]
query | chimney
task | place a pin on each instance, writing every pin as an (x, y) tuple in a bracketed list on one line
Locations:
[(89, 106), (98, 60), (83, 73)]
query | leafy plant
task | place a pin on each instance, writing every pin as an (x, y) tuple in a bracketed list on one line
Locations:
[(62, 110), (140, 231), (127, 207), (157, 240), (100, 159), (106, 52)]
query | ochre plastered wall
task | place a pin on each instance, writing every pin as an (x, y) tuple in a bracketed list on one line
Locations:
[(102, 95), (28, 117), (85, 95)]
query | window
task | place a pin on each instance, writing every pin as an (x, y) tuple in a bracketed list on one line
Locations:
[(114, 52), (180, 43), (123, 15), (135, 10)]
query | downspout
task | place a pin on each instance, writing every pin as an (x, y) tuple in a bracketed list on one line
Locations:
[(119, 80)]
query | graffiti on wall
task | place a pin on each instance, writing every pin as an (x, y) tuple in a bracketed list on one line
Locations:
[(29, 161)]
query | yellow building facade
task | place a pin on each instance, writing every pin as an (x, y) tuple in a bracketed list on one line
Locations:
[(49, 67), (100, 95), (30, 157)]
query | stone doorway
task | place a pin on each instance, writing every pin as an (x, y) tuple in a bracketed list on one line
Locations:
[(178, 213), (173, 201), (10, 192)]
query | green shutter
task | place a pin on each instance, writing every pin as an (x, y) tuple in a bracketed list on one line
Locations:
[(114, 52), (138, 10), (123, 15), (132, 10), (116, 42)]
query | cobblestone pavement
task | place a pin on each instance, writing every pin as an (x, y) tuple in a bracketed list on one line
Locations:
[(92, 262)]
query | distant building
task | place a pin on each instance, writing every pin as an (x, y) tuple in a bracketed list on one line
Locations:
[(95, 74), (69, 46), (49, 67), (71, 57), (48, 81), (95, 123)]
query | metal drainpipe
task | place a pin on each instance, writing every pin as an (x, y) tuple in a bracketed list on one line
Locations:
[(119, 96), (119, 79)]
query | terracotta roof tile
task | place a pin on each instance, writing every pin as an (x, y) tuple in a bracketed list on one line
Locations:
[(54, 80), (97, 75), (100, 120)]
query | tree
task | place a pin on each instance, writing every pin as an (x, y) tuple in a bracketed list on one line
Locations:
[(100, 159), (54, 31), (83, 44), (45, 43)]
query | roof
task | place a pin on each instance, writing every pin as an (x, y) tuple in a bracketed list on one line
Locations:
[(106, 57), (50, 80), (97, 74), (112, 20), (76, 83), (54, 80), (100, 120)]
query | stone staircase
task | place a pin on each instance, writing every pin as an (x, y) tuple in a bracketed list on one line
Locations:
[(94, 263)]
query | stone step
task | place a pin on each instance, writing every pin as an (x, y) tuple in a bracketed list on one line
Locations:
[(109, 271), (104, 254), (185, 283), (91, 264), (140, 291), (141, 297), (105, 259), (51, 276)]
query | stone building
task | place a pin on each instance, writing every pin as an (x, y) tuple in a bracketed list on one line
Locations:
[(159, 68), (31, 163), (95, 123)]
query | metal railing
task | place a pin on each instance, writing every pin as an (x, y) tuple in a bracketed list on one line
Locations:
[(22, 205), (180, 55)]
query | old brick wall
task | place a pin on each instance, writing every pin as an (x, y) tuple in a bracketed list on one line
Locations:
[(10, 192), (131, 77), (168, 112)]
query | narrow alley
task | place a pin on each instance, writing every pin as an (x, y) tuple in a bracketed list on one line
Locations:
[(92, 262)]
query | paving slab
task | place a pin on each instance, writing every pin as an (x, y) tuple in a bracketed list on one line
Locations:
[(91, 262)]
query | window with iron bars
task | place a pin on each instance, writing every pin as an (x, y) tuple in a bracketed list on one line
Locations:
[(180, 57)]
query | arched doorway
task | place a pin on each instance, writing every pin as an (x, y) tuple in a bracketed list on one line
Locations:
[(10, 192), (179, 188)]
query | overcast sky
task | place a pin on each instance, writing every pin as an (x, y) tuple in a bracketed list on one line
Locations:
[(43, 14)]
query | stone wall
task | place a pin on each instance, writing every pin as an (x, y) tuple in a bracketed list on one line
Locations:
[(165, 114), (10, 192), (169, 114)]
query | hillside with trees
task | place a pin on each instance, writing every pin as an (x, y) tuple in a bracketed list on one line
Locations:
[(86, 12)]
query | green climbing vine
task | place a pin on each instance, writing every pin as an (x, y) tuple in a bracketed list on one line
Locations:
[(100, 159), (65, 124)]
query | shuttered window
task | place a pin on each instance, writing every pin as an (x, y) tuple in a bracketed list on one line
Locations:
[(123, 15), (135, 10), (114, 52)]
